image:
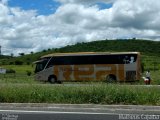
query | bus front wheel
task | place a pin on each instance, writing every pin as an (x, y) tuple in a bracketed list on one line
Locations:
[(52, 79)]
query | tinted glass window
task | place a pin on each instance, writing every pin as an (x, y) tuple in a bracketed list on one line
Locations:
[(40, 66), (93, 59)]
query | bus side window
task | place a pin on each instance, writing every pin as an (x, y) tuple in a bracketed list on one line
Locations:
[(132, 59), (126, 60), (51, 62)]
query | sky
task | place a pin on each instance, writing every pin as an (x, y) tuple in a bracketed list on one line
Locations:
[(34, 25)]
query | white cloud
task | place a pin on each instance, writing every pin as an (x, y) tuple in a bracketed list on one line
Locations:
[(4, 1), (3, 14), (139, 14), (85, 1), (74, 21)]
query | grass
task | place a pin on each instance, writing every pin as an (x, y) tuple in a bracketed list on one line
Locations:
[(155, 76), (20, 76), (89, 94), (20, 69), (17, 78), (20, 88)]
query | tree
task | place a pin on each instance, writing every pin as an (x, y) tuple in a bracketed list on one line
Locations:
[(21, 54), (12, 54), (44, 51), (18, 62)]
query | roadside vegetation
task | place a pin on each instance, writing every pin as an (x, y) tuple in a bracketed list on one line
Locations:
[(82, 94)]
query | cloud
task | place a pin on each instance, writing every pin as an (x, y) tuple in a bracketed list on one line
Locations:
[(138, 14), (74, 21), (3, 13), (85, 1), (4, 1)]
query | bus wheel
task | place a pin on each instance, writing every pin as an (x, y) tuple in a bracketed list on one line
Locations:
[(52, 79), (111, 79)]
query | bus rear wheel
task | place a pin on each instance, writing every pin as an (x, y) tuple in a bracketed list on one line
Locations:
[(52, 79), (111, 79)]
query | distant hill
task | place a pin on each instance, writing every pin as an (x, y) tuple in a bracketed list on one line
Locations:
[(143, 46), (146, 47)]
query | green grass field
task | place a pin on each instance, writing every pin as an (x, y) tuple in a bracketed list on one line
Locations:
[(82, 94), (20, 69), (20, 76)]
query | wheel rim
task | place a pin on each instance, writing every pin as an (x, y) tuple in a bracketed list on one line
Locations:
[(110, 79), (52, 80)]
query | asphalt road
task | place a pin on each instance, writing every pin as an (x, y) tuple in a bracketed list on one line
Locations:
[(77, 112), (46, 115)]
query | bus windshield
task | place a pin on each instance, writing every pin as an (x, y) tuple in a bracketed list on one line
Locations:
[(40, 65)]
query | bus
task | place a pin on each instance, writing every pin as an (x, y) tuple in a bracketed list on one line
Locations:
[(89, 66)]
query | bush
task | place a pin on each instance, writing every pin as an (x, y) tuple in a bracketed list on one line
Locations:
[(29, 73), (18, 62), (10, 71), (11, 63)]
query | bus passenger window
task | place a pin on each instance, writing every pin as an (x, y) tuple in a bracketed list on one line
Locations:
[(126, 60), (131, 59)]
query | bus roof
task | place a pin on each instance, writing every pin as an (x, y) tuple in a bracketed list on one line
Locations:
[(88, 53)]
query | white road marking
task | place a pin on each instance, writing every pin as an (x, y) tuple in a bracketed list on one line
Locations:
[(56, 112)]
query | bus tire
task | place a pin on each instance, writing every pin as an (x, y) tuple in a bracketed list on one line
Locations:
[(111, 79), (52, 79)]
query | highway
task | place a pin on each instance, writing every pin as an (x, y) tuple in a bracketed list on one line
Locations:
[(77, 112), (48, 115)]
